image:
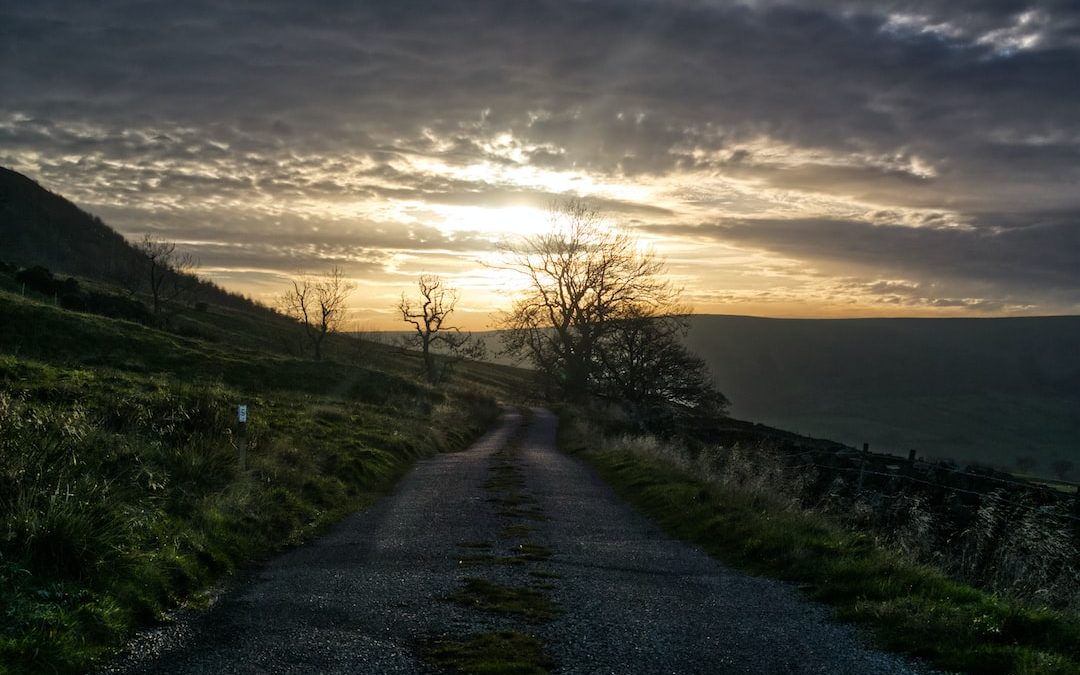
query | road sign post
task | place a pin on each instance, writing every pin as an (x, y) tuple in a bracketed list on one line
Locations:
[(241, 445)]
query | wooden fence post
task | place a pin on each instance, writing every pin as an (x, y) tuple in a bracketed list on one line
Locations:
[(862, 464)]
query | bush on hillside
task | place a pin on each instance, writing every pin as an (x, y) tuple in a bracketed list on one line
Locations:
[(71, 296), (108, 304), (41, 280)]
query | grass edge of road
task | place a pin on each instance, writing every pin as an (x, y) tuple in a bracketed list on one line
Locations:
[(907, 608)]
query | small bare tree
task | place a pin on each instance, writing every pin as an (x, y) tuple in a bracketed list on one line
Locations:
[(318, 303), (166, 272), (428, 315)]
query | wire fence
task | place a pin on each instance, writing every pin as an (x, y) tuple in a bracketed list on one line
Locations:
[(1053, 495), (1004, 534), (907, 466)]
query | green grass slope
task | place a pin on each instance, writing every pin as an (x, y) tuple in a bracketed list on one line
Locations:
[(121, 493)]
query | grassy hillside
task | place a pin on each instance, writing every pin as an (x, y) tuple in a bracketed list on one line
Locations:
[(988, 390), (121, 490)]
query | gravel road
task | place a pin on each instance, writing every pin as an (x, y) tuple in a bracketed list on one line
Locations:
[(364, 596)]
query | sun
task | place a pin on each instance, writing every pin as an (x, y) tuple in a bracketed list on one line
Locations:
[(490, 222)]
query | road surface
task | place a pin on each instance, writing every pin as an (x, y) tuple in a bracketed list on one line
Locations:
[(369, 594)]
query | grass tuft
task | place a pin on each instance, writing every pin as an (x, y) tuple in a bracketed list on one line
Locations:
[(497, 653), (520, 601)]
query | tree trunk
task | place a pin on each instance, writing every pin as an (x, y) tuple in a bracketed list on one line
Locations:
[(429, 360)]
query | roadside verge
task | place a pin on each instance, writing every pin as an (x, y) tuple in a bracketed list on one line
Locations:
[(905, 607)]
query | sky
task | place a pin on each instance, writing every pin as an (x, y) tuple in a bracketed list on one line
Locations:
[(812, 159)]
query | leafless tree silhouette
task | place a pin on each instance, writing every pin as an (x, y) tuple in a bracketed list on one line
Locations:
[(166, 272), (428, 315), (599, 317), (319, 304)]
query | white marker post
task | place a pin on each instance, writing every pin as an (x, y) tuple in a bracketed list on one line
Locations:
[(241, 418)]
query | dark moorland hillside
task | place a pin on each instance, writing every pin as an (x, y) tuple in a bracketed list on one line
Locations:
[(41, 228), (38, 227), (975, 390), (990, 390)]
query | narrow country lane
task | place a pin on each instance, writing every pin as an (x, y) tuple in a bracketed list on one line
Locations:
[(509, 535)]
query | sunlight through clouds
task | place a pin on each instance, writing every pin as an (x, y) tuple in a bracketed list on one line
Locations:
[(495, 223), (785, 157)]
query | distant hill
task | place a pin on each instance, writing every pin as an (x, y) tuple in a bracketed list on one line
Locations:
[(38, 227), (975, 390), (987, 390)]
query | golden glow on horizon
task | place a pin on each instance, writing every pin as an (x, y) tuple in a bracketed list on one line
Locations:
[(433, 211), (717, 278)]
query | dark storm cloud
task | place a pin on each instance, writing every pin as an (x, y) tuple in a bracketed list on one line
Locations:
[(1001, 255), (618, 83), (968, 106)]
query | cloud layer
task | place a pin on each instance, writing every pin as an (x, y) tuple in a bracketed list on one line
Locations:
[(916, 156)]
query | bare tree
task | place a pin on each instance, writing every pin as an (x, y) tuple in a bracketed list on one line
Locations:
[(166, 272), (592, 295), (582, 277), (318, 303), (428, 315)]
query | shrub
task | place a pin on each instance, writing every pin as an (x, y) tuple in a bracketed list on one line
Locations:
[(39, 279), (110, 305)]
